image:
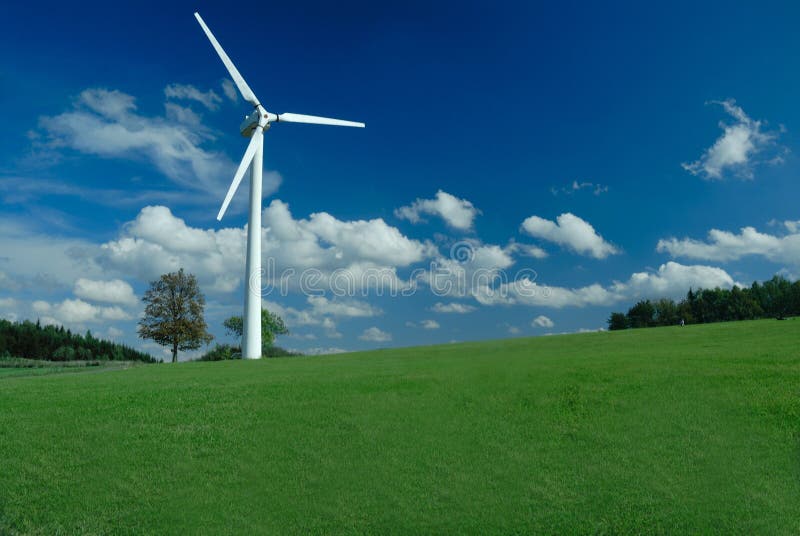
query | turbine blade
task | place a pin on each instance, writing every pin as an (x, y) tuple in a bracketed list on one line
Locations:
[(244, 89), (237, 179), (300, 118)]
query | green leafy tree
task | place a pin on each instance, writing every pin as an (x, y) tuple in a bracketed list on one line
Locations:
[(666, 312), (235, 327), (173, 316), (272, 325), (642, 315), (617, 321)]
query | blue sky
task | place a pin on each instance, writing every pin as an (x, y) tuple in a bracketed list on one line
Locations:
[(620, 151)]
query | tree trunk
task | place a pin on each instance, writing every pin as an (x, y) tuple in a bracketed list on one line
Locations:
[(175, 352)]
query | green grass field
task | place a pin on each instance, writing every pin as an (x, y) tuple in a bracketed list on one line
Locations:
[(669, 430)]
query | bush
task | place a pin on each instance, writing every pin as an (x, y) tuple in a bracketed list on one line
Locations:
[(64, 353), (277, 351), (222, 352)]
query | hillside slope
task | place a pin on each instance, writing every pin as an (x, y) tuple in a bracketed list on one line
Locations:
[(665, 430)]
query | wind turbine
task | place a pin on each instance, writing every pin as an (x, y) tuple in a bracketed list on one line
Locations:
[(253, 127)]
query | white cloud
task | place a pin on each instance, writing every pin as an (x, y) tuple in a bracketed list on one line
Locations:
[(354, 255), (230, 90), (572, 232), (542, 321), (527, 250), (303, 336), (42, 261), (105, 123), (114, 333), (183, 115), (374, 334), (321, 305), (329, 326), (514, 330), (792, 226), (114, 291), (576, 186), (20, 190), (469, 265), (673, 280), (157, 242), (424, 324), (7, 282), (670, 280), (323, 351), (8, 309), (78, 312), (454, 307), (320, 313), (371, 240), (738, 147), (209, 98), (457, 213), (726, 246)]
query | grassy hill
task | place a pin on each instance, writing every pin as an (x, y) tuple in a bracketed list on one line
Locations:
[(656, 430)]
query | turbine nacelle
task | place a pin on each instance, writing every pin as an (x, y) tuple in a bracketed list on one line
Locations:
[(259, 116)]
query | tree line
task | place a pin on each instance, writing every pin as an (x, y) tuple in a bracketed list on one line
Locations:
[(776, 298), (31, 340)]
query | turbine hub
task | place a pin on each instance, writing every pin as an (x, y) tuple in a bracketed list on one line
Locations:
[(257, 118)]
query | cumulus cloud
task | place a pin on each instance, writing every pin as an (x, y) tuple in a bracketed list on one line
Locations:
[(374, 334), (542, 321), (114, 291), (356, 255), (727, 246), (457, 213), (454, 307), (157, 242), (209, 98), (670, 280), (571, 232), (742, 145), (77, 312), (469, 265), (372, 240), (321, 311)]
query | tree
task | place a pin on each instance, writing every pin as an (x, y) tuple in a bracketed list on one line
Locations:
[(173, 315), (272, 325), (666, 312), (235, 327), (617, 321), (642, 315)]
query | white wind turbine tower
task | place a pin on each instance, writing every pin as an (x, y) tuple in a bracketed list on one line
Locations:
[(253, 127)]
